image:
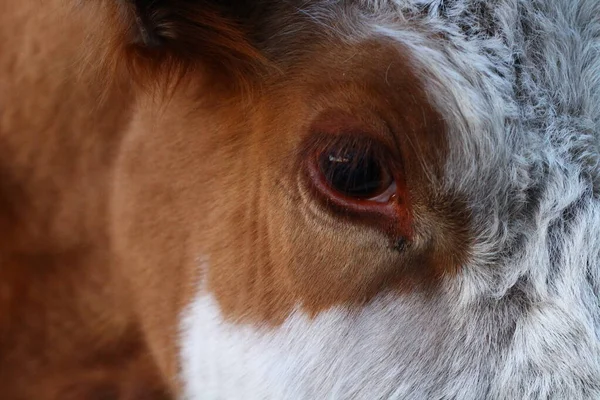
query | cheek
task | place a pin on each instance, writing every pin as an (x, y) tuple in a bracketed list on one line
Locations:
[(219, 360), (361, 353), (152, 220), (223, 360), (327, 261)]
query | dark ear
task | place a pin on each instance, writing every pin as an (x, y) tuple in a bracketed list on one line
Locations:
[(216, 32)]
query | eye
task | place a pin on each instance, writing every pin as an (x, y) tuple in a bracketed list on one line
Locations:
[(356, 169), (359, 178)]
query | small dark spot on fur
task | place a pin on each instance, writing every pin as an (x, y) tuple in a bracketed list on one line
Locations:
[(400, 244)]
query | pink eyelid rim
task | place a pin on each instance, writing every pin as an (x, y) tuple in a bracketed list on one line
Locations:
[(386, 196)]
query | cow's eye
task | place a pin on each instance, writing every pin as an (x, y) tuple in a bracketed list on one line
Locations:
[(357, 170)]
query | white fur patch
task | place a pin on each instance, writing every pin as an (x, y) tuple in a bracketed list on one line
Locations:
[(338, 355), (394, 348)]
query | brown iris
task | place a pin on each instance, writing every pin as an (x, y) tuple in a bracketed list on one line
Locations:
[(355, 168)]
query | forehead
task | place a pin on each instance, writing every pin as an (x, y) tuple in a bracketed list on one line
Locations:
[(289, 30), (387, 49)]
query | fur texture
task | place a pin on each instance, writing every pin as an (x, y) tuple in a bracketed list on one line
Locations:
[(518, 82), (126, 151)]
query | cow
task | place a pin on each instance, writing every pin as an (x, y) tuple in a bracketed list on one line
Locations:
[(299, 199)]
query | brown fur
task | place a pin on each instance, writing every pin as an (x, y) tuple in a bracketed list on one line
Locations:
[(110, 209), (64, 321), (235, 201), (158, 42), (360, 263)]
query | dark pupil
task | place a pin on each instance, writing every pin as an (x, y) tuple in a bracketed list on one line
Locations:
[(352, 174)]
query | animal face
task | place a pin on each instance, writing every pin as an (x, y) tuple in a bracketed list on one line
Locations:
[(371, 206), (360, 199), (320, 184)]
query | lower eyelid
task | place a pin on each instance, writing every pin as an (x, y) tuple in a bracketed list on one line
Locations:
[(387, 195)]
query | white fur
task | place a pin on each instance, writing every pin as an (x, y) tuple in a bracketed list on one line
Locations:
[(520, 91)]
